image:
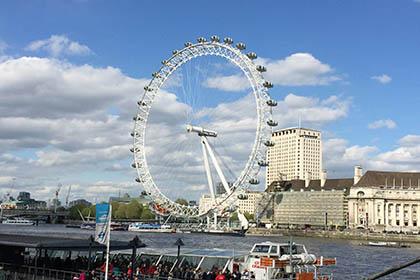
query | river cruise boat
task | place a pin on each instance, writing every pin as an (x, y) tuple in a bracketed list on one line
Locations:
[(148, 227), (265, 261), (19, 222)]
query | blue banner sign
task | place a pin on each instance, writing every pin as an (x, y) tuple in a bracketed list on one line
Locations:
[(103, 217)]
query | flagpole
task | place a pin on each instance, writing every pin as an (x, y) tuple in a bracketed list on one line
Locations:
[(108, 234)]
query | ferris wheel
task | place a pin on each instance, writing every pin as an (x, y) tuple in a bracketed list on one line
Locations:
[(200, 134)]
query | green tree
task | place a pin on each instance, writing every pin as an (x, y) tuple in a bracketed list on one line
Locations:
[(249, 216), (89, 212), (147, 214), (115, 205), (121, 213), (182, 201), (234, 217), (74, 211), (134, 210)]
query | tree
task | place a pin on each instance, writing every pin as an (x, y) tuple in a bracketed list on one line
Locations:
[(182, 201), (74, 211), (134, 210), (121, 213), (115, 206), (146, 213), (249, 216), (234, 217)]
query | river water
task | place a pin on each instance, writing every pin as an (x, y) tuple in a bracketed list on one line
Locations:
[(353, 261)]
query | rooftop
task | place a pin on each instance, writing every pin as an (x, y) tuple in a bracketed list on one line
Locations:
[(315, 185), (62, 244), (389, 179)]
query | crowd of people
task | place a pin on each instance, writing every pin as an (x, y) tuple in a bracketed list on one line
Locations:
[(121, 270)]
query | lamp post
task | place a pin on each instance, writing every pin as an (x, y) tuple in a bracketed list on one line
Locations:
[(134, 243), (179, 243), (91, 240)]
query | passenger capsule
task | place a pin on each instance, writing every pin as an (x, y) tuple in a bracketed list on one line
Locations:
[(134, 165), (272, 123), (269, 143), (201, 40), (240, 46), (261, 68), (254, 181), (144, 193), (188, 44), (147, 88), (132, 134), (137, 118), (228, 41), (164, 62), (251, 55), (141, 103), (174, 52), (262, 163), (242, 196), (215, 38), (132, 150), (268, 84), (155, 75), (272, 103)]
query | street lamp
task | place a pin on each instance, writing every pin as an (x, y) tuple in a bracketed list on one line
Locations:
[(134, 243), (179, 243)]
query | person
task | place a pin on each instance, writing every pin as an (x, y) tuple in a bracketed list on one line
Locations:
[(82, 276), (220, 276), (252, 275)]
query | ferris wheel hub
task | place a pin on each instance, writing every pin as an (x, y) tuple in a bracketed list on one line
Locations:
[(201, 131)]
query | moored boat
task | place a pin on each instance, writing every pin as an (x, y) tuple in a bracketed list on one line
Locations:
[(148, 227), (19, 222)]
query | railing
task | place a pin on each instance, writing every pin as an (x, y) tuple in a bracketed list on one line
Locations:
[(24, 272)]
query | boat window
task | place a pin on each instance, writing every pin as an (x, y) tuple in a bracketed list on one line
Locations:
[(296, 249), (273, 250), (261, 249), (213, 263)]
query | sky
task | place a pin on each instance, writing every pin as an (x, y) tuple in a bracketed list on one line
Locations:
[(71, 73)]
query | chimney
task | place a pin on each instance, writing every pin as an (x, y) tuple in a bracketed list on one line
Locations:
[(307, 178), (358, 172), (323, 177)]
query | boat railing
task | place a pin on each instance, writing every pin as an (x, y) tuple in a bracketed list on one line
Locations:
[(18, 272)]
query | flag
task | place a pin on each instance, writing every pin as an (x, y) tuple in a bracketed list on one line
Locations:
[(103, 221)]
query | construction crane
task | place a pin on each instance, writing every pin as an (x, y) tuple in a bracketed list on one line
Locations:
[(57, 192), (67, 196)]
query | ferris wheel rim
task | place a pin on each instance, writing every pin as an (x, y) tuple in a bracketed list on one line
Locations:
[(258, 152)]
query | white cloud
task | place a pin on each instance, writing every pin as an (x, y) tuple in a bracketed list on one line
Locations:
[(340, 156), (228, 83), (388, 123), (299, 69), (383, 79), (58, 45)]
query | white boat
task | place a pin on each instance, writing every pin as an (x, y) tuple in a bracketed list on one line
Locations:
[(148, 227), (19, 222), (265, 261)]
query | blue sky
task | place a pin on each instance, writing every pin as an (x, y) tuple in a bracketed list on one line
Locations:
[(358, 40)]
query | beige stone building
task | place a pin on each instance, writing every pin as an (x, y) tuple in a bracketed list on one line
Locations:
[(385, 201), (306, 203), (296, 154)]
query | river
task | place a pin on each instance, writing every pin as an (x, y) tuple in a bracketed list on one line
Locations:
[(353, 261)]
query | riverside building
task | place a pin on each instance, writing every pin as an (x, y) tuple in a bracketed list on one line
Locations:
[(385, 201), (296, 154), (306, 203)]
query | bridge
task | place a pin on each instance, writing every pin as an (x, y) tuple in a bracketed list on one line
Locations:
[(36, 214)]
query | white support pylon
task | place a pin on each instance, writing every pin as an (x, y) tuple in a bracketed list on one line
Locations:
[(216, 165), (207, 167)]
